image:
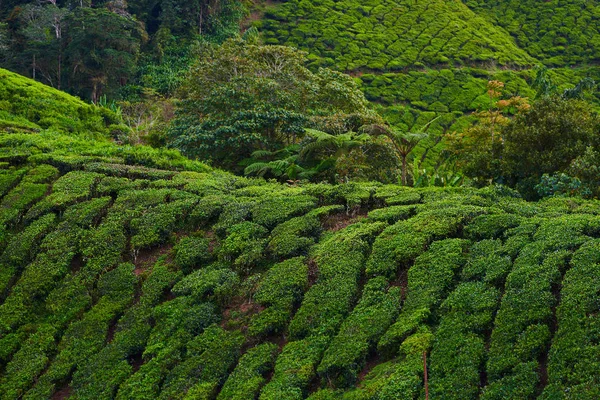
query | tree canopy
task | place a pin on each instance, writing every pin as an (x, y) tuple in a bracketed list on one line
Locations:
[(242, 96)]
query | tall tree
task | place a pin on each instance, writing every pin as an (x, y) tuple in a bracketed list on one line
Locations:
[(241, 97), (102, 49), (42, 28)]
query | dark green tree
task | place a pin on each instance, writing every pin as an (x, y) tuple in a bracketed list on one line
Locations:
[(241, 97), (546, 139), (102, 50), (41, 33)]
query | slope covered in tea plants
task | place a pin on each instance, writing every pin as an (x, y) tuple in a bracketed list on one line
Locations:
[(558, 32), (388, 35), (28, 105), (423, 59), (134, 273)]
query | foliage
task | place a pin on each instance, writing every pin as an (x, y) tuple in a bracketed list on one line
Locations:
[(255, 97), (563, 40), (133, 272), (344, 36), (29, 106), (547, 139), (481, 147), (93, 49)]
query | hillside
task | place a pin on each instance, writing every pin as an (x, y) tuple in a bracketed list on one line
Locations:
[(420, 59), (558, 32), (387, 35), (26, 104), (134, 273)]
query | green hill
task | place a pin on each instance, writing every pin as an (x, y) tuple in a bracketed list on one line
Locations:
[(27, 104), (385, 35), (134, 273), (419, 60), (558, 32)]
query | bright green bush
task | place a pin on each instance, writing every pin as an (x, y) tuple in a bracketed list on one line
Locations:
[(359, 333), (214, 281), (340, 260), (574, 343), (192, 252), (248, 377), (429, 280), (22, 248), (244, 246), (207, 363), (458, 350), (294, 369)]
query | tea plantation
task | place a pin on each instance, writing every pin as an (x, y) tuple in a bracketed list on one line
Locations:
[(559, 32), (436, 57), (134, 273), (389, 35)]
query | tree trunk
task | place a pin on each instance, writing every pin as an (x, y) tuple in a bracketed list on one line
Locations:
[(426, 383), (95, 93), (59, 69), (404, 170)]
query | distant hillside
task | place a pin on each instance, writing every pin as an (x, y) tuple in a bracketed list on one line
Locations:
[(557, 32), (423, 59), (134, 273), (386, 35)]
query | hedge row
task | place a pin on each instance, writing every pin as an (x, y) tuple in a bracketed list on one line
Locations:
[(280, 291), (572, 360), (429, 281), (340, 259), (358, 335), (522, 329)]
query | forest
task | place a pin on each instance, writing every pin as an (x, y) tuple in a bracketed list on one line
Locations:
[(324, 200)]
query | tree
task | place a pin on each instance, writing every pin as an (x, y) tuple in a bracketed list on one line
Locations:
[(4, 41), (546, 139), (546, 87), (102, 49), (241, 97), (218, 18), (479, 148), (403, 142), (42, 28)]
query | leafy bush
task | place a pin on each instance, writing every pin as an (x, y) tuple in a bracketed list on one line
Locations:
[(248, 377), (359, 333), (192, 252)]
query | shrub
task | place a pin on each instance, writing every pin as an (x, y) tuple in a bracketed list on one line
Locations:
[(209, 358), (359, 333), (192, 252), (294, 369), (573, 344), (429, 280), (244, 245), (248, 377), (214, 282)]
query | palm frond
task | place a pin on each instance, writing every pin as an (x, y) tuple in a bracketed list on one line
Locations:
[(258, 168)]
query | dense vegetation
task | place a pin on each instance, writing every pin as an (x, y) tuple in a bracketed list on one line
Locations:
[(390, 35), (559, 32), (422, 60), (113, 48), (135, 273)]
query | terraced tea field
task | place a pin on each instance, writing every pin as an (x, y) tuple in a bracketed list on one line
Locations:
[(127, 273)]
